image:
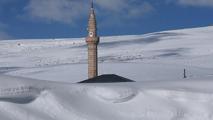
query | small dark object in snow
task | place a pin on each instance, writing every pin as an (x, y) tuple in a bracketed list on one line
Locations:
[(184, 74), (108, 78)]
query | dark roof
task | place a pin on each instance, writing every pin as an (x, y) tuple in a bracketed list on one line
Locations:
[(108, 78)]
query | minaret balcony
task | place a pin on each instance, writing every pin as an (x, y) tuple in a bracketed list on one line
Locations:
[(92, 40)]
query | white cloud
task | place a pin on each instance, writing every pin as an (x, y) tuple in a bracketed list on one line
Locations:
[(140, 10), (126, 8), (208, 3), (68, 11), (121, 12), (56, 10), (196, 3)]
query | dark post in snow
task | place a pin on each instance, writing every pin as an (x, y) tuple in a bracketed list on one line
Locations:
[(184, 74)]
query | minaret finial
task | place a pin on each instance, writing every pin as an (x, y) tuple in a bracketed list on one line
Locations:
[(92, 4)]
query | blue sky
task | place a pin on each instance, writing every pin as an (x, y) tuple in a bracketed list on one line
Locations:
[(68, 18)]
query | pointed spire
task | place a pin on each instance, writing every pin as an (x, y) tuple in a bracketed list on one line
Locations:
[(92, 11), (92, 4), (92, 20)]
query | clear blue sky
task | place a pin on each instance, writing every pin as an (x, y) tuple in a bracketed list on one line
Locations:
[(68, 18)]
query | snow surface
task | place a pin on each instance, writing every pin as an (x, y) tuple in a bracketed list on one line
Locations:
[(38, 78)]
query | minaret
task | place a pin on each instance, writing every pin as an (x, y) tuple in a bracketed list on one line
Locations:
[(92, 42)]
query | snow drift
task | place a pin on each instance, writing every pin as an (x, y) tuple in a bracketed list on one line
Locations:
[(38, 78), (166, 100)]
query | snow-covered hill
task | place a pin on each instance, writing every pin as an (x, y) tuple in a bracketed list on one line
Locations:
[(149, 56), (156, 61)]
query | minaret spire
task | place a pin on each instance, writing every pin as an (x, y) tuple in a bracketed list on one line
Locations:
[(92, 42), (92, 4)]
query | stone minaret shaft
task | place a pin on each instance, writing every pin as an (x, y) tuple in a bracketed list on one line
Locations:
[(92, 42)]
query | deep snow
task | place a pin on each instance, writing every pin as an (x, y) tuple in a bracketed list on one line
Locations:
[(156, 61), (164, 100)]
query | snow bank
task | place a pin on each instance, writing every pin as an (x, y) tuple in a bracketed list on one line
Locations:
[(156, 61), (127, 101)]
